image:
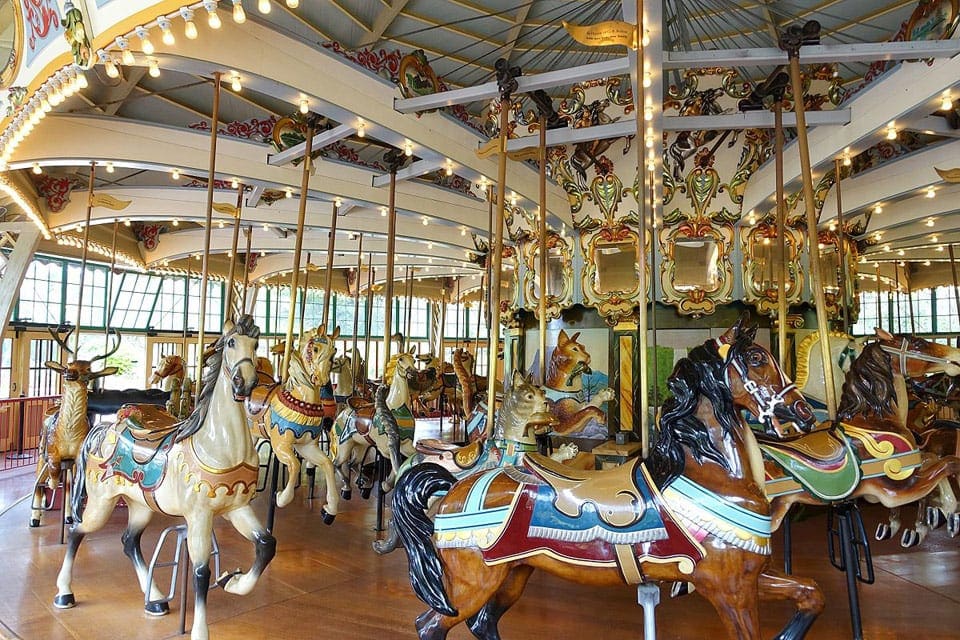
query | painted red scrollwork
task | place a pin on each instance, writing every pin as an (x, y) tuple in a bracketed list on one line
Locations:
[(55, 189), (41, 16)]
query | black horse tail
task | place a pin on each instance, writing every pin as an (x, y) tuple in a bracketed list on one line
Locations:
[(410, 498)]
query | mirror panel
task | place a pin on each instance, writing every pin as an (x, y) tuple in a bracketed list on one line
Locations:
[(616, 267), (11, 35)]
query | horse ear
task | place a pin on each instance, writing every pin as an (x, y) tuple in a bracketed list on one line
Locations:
[(882, 334), (562, 338), (228, 326)]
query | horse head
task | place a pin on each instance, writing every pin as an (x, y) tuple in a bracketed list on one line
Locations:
[(524, 413), (317, 349), (568, 363), (915, 357), (759, 385), (171, 365), (237, 350)]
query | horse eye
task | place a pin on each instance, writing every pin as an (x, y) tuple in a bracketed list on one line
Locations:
[(231, 343)]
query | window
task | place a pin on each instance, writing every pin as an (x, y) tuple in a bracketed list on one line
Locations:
[(41, 294), (946, 315), (43, 381), (419, 317), (455, 321), (214, 317), (94, 294), (168, 315), (868, 314), (134, 299), (6, 366)]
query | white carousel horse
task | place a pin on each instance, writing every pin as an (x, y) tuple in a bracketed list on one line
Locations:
[(202, 467), (357, 427), (292, 418), (347, 385), (171, 375)]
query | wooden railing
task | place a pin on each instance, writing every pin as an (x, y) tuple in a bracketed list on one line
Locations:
[(21, 420)]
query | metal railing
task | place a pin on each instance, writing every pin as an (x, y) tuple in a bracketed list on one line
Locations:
[(21, 420)]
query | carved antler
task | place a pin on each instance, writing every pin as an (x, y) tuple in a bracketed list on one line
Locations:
[(112, 351), (62, 341)]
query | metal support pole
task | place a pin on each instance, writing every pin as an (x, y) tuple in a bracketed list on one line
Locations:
[(792, 47), (781, 237), (880, 306), (542, 228), (246, 270), (108, 312), (368, 316), (298, 246), (643, 285), (956, 282), (231, 285), (355, 359), (394, 159), (842, 252), (331, 247), (205, 259), (83, 259), (303, 298), (506, 80)]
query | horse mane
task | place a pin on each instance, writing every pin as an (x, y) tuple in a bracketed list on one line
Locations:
[(297, 372), (868, 388), (698, 375), (244, 327)]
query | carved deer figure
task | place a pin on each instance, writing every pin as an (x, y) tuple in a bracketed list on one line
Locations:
[(66, 426)]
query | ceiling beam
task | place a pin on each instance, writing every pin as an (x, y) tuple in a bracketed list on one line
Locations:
[(320, 141), (415, 170), (382, 22)]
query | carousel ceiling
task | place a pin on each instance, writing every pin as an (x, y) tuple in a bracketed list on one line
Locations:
[(144, 119)]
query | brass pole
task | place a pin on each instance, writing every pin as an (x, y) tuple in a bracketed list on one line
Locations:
[(896, 308), (480, 315), (356, 315), (913, 325), (108, 312), (331, 246), (205, 259), (842, 250), (303, 298), (186, 317), (298, 245), (643, 285), (488, 271), (507, 84), (653, 292), (368, 316), (808, 200), (880, 306), (956, 281), (231, 284), (394, 163), (246, 270), (83, 260), (542, 306), (456, 319), (781, 236)]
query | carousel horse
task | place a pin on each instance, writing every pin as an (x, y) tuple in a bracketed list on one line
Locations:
[(171, 375), (564, 384), (347, 385), (694, 510), (522, 417), (932, 510), (198, 468), (292, 418), (360, 427), (431, 396), (65, 427), (869, 452), (472, 386)]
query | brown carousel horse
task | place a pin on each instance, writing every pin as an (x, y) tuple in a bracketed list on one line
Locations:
[(171, 375), (694, 511), (471, 385), (564, 386), (869, 452), (65, 427)]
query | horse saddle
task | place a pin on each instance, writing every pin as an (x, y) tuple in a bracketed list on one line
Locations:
[(361, 406), (821, 461), (259, 399), (613, 492), (147, 424), (451, 456)]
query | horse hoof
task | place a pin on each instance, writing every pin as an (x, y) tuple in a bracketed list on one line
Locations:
[(34, 522), (935, 518), (227, 576), (953, 525), (68, 520), (365, 493), (157, 608), (883, 531), (345, 494), (65, 601), (681, 589), (910, 538), (327, 517)]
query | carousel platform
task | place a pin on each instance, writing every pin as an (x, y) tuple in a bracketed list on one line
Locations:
[(326, 581)]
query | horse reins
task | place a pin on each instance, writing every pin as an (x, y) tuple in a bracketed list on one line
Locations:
[(905, 353), (766, 402)]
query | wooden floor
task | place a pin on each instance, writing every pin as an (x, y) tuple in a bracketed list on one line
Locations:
[(328, 582)]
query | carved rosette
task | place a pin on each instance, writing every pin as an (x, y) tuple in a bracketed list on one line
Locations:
[(760, 270), (531, 278)]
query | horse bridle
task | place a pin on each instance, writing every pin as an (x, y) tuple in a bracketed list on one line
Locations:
[(906, 354), (766, 402)]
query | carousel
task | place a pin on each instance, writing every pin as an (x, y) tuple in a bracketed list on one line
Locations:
[(422, 297)]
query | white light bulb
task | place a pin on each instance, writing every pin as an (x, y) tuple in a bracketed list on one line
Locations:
[(293, 4), (166, 28), (145, 45), (946, 102), (126, 57), (288, 192), (361, 129), (239, 15), (110, 167), (235, 83), (82, 80), (153, 68), (408, 149), (175, 174), (304, 107), (264, 6), (189, 26), (36, 168), (213, 18), (111, 68), (931, 192)]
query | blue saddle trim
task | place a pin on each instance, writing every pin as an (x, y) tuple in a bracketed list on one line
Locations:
[(473, 515), (723, 509), (283, 425), (148, 474)]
